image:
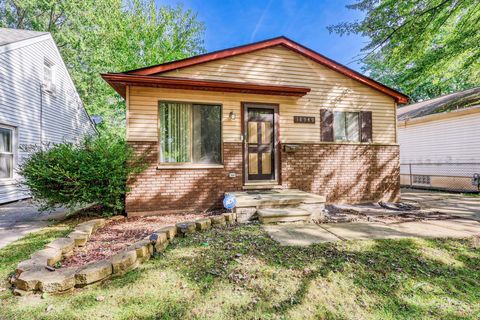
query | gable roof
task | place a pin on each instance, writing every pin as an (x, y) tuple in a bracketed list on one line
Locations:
[(11, 39), (283, 41), (459, 100), (8, 35)]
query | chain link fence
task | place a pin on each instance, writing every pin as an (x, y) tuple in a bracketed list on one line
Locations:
[(458, 177)]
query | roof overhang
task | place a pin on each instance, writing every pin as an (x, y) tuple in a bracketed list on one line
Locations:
[(23, 43), (119, 81), (439, 116)]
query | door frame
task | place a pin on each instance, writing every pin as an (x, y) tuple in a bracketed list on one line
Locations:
[(276, 139)]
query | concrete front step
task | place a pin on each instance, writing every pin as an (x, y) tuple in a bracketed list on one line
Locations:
[(285, 197), (276, 215), (248, 203)]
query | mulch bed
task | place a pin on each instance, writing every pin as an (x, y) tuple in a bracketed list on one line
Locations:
[(119, 234)]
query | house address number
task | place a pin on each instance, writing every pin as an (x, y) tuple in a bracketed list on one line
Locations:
[(303, 119)]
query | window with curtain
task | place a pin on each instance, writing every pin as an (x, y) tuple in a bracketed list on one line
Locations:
[(346, 126), (6, 153), (190, 133)]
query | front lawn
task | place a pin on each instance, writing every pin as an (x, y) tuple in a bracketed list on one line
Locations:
[(239, 273), (472, 195)]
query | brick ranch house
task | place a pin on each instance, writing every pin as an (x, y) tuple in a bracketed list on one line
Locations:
[(271, 114)]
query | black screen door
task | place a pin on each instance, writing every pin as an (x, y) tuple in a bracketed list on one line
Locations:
[(260, 140)]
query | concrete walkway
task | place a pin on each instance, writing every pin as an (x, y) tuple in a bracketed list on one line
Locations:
[(19, 218), (465, 209), (451, 203), (307, 234)]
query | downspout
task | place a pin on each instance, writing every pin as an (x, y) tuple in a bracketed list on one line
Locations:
[(41, 117), (410, 164), (396, 122)]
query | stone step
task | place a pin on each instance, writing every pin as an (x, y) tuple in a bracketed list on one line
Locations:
[(275, 215), (275, 198), (248, 203)]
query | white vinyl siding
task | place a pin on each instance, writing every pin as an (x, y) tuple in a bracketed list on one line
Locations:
[(450, 140), (454, 139), (23, 99)]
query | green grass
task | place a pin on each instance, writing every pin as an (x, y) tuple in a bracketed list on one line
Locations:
[(472, 195), (240, 273), (21, 250)]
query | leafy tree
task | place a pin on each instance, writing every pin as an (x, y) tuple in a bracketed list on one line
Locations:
[(96, 36), (424, 48)]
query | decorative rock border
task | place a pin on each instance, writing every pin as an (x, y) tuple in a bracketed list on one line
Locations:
[(38, 275)]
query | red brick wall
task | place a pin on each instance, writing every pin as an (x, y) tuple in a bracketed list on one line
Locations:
[(343, 173), (167, 190)]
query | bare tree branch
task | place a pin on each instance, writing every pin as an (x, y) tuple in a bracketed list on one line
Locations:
[(50, 21)]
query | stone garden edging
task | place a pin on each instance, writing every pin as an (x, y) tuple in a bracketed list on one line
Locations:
[(38, 274)]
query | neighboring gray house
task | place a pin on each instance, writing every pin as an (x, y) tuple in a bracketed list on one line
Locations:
[(38, 103)]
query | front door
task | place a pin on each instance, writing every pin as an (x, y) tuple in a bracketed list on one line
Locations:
[(260, 142)]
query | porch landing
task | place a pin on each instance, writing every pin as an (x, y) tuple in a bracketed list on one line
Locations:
[(283, 205)]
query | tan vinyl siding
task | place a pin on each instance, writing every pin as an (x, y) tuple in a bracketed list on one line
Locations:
[(276, 65), (143, 109)]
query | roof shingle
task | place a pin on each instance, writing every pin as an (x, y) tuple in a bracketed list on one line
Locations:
[(446, 103), (8, 35)]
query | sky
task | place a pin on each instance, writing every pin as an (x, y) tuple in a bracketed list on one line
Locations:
[(231, 23)]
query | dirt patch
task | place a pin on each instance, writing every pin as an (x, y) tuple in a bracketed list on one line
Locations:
[(334, 214), (119, 234), (403, 217), (383, 213)]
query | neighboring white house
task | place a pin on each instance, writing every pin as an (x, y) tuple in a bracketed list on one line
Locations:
[(440, 141), (38, 103)]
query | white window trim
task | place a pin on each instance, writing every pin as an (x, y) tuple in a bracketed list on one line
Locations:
[(11, 180), (51, 85)]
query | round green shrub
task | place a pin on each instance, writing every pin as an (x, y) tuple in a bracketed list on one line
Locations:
[(73, 175)]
